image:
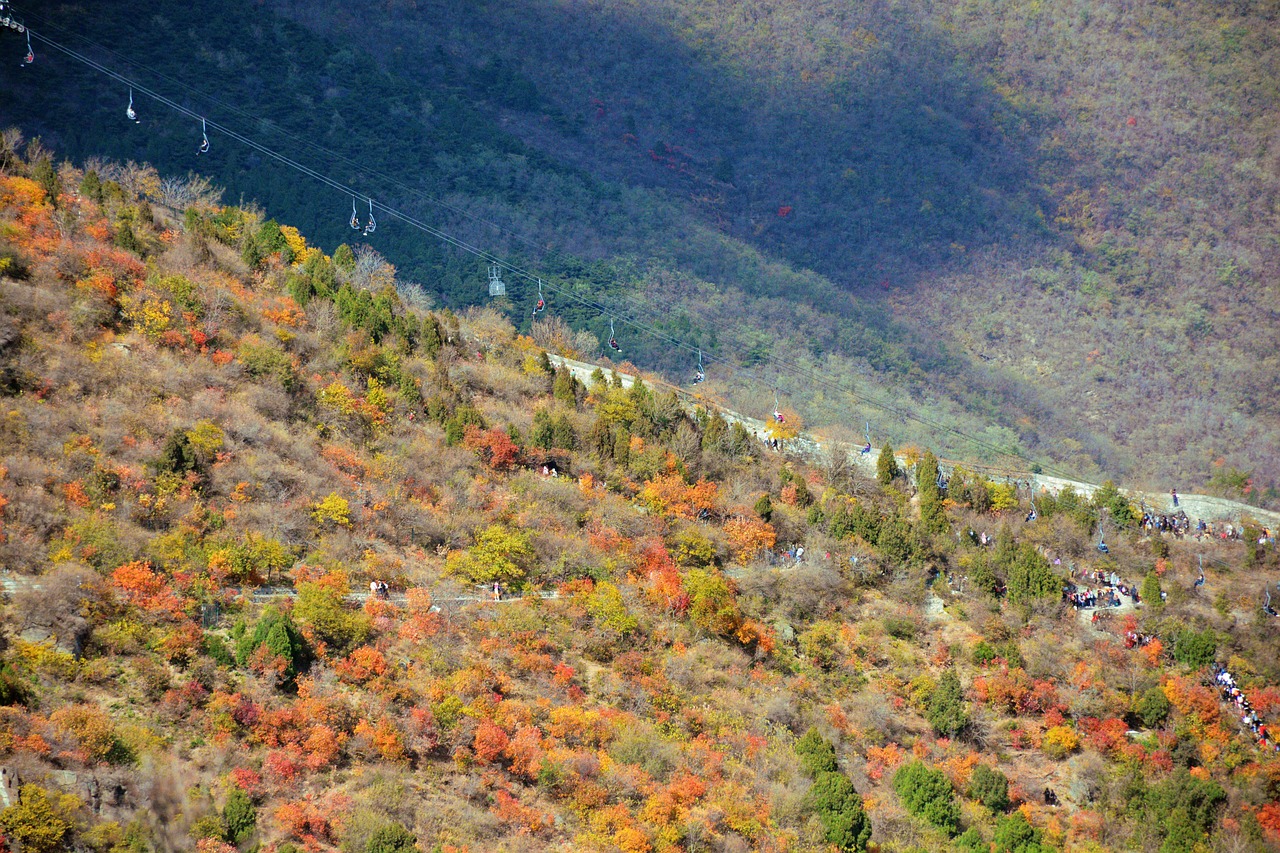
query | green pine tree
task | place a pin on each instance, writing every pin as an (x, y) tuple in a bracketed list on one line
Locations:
[(887, 465), (839, 807), (239, 816), (817, 755), (946, 711), (1150, 592), (932, 515), (392, 838)]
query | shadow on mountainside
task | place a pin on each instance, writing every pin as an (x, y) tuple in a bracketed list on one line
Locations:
[(852, 142)]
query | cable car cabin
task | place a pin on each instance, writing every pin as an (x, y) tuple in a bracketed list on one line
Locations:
[(497, 287)]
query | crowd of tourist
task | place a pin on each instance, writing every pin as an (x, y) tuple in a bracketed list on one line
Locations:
[(1178, 524), (1098, 589), (1083, 598), (1233, 695), (1137, 639)]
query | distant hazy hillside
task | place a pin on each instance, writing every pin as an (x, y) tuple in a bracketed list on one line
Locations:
[(1049, 226)]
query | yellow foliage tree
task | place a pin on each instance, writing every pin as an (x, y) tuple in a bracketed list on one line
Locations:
[(789, 427), (294, 239), (1059, 742), (334, 509), (206, 437), (1003, 496), (150, 316), (40, 821)]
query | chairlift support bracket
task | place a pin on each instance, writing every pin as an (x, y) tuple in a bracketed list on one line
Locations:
[(497, 287)]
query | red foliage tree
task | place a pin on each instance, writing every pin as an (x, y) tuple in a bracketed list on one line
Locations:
[(490, 742), (362, 666), (525, 752), (493, 446), (150, 592)]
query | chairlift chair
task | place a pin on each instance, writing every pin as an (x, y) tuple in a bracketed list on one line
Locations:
[(129, 111), (699, 374), (372, 224), (204, 137), (542, 302), (497, 287), (355, 219), (30, 58), (613, 338)]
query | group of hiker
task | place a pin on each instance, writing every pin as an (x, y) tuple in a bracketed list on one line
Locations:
[(1233, 695), (1176, 523), (1137, 639), (1108, 592), (1180, 525), (1084, 598), (793, 555)]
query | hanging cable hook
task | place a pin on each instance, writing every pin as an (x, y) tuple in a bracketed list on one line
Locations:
[(204, 137)]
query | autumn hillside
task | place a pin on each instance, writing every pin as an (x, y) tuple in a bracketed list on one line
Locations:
[(1043, 230), (214, 437)]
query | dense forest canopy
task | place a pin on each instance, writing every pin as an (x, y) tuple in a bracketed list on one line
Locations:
[(1049, 227)]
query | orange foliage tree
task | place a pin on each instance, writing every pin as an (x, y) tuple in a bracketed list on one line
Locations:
[(1192, 699), (510, 810), (313, 820), (91, 729), (362, 666), (749, 536), (669, 494), (525, 752), (148, 591), (490, 742), (663, 585), (493, 446)]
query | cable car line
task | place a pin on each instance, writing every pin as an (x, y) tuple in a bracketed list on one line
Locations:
[(362, 167), (786, 366)]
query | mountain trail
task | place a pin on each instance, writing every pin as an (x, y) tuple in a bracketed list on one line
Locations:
[(1207, 507)]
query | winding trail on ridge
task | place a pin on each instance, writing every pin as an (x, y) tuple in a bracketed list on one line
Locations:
[(807, 445)]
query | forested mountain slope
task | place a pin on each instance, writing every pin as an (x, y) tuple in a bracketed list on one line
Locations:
[(1049, 226), (214, 437)]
